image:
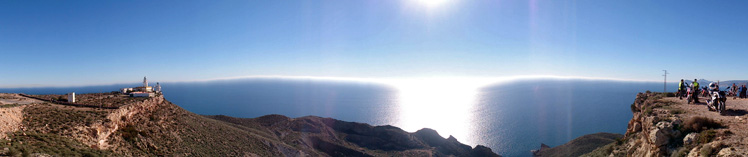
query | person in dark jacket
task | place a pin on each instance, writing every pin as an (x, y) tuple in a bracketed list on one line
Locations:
[(681, 89), (742, 91)]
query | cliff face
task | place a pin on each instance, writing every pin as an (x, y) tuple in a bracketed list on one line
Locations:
[(650, 130), (670, 127), (155, 126)]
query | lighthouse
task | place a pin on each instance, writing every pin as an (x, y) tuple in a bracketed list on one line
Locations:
[(145, 82), (142, 91)]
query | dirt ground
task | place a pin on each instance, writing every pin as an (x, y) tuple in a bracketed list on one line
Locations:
[(735, 118), (10, 98)]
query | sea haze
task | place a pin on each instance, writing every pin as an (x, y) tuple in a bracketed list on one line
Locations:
[(511, 118)]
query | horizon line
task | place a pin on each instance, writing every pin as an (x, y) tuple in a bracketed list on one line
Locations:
[(384, 80)]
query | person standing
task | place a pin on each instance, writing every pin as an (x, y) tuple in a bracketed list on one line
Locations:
[(681, 89), (734, 90), (742, 91), (695, 91)]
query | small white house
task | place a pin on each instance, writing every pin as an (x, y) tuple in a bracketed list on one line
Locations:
[(126, 90), (71, 97)]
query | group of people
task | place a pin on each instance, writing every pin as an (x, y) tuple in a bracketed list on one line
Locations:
[(739, 92), (736, 91)]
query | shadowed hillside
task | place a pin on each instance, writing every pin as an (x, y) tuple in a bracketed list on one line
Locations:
[(154, 126)]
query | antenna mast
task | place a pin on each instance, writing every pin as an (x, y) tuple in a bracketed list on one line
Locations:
[(664, 90)]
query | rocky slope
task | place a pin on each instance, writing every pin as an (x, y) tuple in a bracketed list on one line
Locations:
[(670, 127), (154, 126), (579, 146)]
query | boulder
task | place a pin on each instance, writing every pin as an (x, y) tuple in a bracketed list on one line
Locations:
[(694, 152), (690, 138), (729, 152), (660, 136)]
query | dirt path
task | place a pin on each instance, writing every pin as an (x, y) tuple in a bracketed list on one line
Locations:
[(735, 117), (10, 98)]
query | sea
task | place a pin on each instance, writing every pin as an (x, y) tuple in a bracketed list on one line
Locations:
[(510, 117)]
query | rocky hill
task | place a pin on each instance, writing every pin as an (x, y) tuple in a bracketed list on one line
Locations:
[(579, 146), (156, 127), (668, 126)]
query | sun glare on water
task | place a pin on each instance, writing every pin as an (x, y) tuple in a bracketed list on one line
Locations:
[(444, 105)]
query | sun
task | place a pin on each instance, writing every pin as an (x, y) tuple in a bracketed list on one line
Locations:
[(432, 3)]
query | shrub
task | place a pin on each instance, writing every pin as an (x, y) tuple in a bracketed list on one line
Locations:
[(728, 132), (706, 150), (677, 111), (698, 124), (13, 152), (634, 109), (681, 152), (648, 110), (129, 133), (668, 94), (707, 136), (620, 141), (25, 152)]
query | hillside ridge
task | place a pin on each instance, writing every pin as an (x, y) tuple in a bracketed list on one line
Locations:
[(155, 126)]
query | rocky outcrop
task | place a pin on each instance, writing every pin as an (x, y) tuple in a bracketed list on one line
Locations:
[(578, 146), (659, 127), (119, 118), (690, 139)]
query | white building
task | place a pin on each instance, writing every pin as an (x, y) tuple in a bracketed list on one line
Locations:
[(126, 90), (71, 97), (158, 88), (142, 91)]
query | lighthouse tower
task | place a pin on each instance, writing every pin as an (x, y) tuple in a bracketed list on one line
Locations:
[(145, 82)]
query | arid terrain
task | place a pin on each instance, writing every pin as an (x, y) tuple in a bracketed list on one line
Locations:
[(156, 127), (668, 126)]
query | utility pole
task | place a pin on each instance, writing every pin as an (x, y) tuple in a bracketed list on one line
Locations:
[(665, 86)]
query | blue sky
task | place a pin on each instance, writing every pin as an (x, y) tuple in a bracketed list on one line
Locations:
[(99, 42)]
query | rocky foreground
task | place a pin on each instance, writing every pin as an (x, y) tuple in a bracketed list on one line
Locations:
[(156, 127), (668, 126)]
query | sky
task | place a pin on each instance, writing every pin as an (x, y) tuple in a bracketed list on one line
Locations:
[(59, 43)]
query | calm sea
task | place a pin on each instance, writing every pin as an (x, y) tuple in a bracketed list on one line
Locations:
[(512, 118)]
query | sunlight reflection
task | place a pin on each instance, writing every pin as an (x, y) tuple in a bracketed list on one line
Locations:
[(444, 105)]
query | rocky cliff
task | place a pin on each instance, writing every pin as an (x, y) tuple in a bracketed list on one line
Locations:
[(667, 126), (155, 126)]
